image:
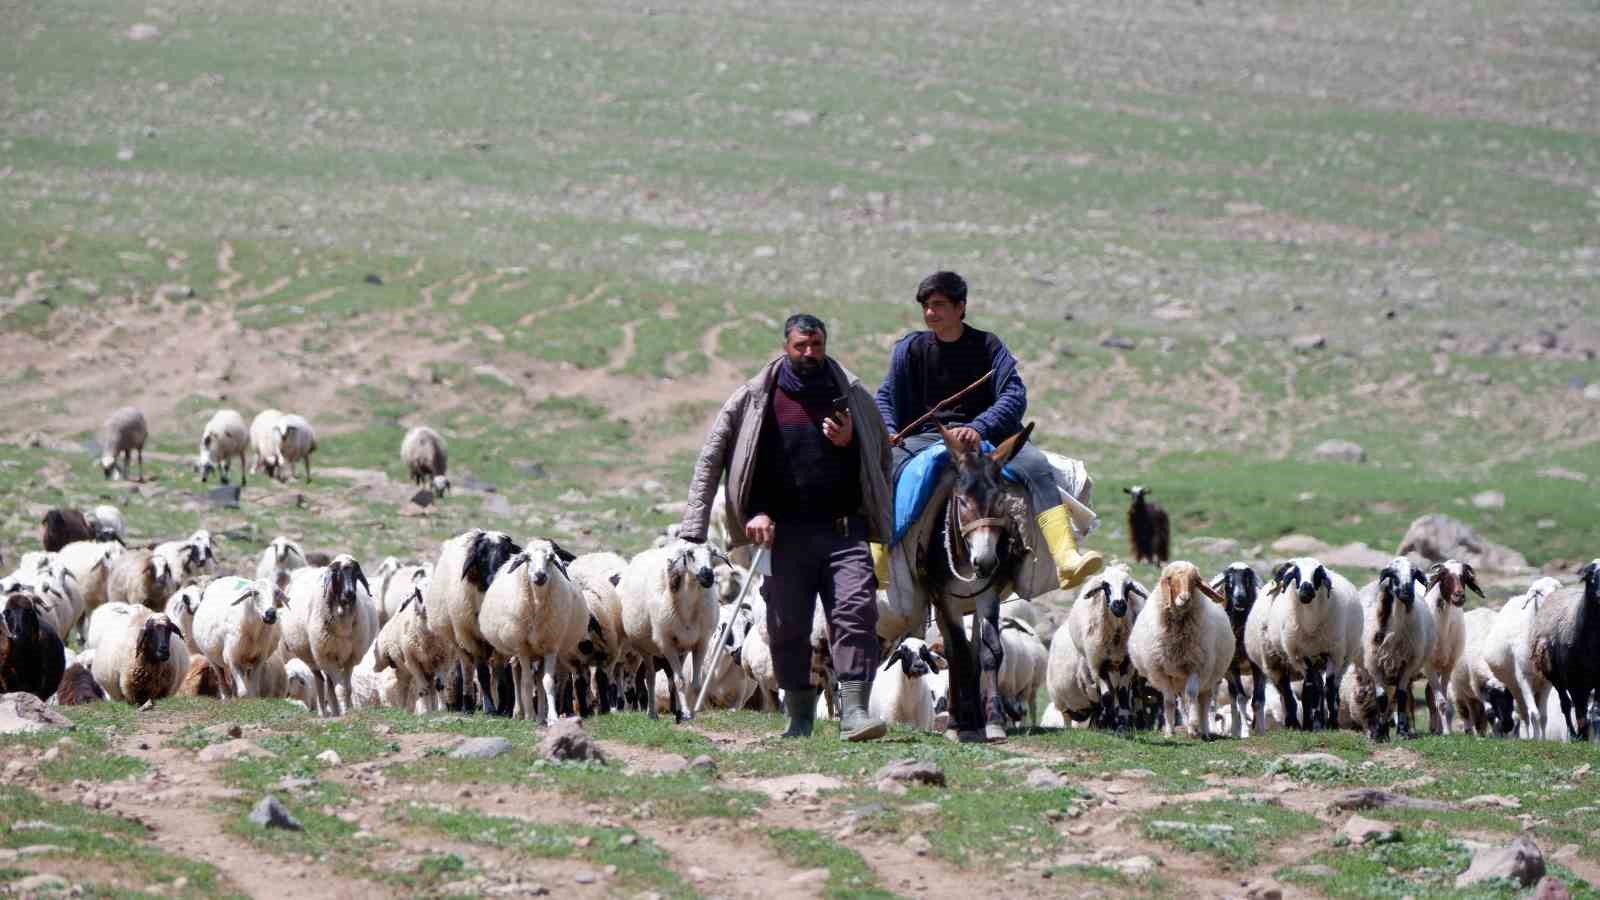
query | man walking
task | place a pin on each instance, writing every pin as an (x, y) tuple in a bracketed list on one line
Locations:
[(926, 367), (807, 463)]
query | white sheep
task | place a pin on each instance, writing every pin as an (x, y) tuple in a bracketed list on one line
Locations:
[(1182, 644), (123, 435), (1102, 617), (1448, 583), (1074, 687), (329, 623), (273, 677), (900, 692), (181, 608), (406, 644), (191, 559), (1306, 627), (53, 586), (136, 659), (395, 586), (106, 522), (1022, 669), (1396, 638), (372, 689), (295, 441), (300, 683), (467, 564), (1482, 701), (1508, 652), (90, 563), (426, 459), (281, 558), (755, 656), (236, 628), (225, 438), (533, 613), (597, 576), (669, 610), (264, 441), (727, 686), (140, 576)]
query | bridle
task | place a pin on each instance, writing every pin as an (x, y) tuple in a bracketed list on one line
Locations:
[(965, 530)]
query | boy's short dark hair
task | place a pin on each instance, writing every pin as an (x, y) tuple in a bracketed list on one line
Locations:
[(949, 284), (805, 323)]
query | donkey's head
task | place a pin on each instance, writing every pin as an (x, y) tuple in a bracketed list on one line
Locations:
[(978, 499)]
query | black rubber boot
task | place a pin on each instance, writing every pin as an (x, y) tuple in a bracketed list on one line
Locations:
[(802, 709), (855, 723)]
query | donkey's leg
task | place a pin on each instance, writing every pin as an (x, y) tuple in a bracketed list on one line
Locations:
[(965, 715), (986, 638)]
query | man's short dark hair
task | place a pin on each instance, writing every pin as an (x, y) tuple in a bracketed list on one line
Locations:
[(805, 323), (949, 284)]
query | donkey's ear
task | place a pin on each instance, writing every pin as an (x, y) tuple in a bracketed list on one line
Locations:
[(950, 441), (1011, 446)]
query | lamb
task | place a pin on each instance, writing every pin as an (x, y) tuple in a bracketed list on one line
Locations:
[(1022, 669), (1308, 628), (265, 442), (1448, 583), (122, 435), (140, 662), (371, 689), (424, 454), (467, 565), (1074, 687), (78, 687), (1148, 528), (1396, 638), (669, 610), (32, 657), (202, 679), (329, 623), (395, 584), (1098, 625), (142, 577), (224, 438), (300, 683), (1508, 654), (417, 655), (1564, 645), (281, 557), (61, 527), (533, 613), (236, 628), (1482, 701), (1183, 645), (107, 524), (295, 442), (1239, 584), (90, 563), (900, 693), (755, 657)]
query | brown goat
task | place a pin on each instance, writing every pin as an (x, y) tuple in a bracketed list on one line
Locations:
[(78, 687), (61, 527)]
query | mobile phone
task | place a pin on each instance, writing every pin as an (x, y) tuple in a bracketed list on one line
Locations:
[(841, 407)]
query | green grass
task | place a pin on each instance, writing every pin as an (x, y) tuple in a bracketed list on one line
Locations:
[(1238, 834), (848, 873), (1422, 864)]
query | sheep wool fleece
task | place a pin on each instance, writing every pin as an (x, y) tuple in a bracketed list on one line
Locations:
[(811, 559)]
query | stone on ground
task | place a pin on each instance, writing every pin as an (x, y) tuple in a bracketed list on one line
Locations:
[(913, 771), (269, 813), (566, 741), (23, 713), (1521, 862), (481, 748)]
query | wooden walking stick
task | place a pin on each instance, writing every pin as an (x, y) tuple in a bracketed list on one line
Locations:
[(905, 432)]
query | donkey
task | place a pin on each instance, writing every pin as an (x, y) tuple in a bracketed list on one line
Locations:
[(970, 566)]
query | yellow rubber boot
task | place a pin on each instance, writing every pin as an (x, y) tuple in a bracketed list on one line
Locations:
[(880, 562), (1072, 567)]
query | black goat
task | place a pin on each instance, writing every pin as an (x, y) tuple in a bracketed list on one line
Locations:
[(32, 657), (63, 526), (1148, 529)]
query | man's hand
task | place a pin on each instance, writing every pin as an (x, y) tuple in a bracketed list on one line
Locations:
[(966, 438), (839, 430), (760, 530)]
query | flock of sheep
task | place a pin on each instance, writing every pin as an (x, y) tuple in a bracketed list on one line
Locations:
[(537, 632)]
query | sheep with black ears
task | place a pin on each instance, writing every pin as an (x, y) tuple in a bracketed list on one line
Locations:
[(53, 586), (106, 522), (669, 611), (427, 461), (329, 623), (123, 435), (1182, 644), (191, 559), (604, 646), (1564, 645), (727, 685), (406, 644), (281, 558), (901, 693), (1448, 583), (1238, 583), (139, 661), (1307, 627), (224, 438), (466, 567), (32, 656), (1396, 638), (181, 608), (533, 613), (236, 628), (1102, 617)]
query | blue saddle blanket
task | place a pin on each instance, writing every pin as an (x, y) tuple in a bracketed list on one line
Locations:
[(917, 480)]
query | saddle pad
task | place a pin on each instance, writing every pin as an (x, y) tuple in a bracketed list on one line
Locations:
[(917, 482)]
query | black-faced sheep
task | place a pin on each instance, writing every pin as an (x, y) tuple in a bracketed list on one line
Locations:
[(466, 567), (32, 656), (1565, 643), (1148, 529), (1396, 638), (1238, 583), (140, 661)]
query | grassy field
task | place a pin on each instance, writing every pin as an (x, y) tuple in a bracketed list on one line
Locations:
[(562, 233)]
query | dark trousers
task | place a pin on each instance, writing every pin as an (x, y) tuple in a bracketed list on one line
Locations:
[(812, 559), (1037, 475)]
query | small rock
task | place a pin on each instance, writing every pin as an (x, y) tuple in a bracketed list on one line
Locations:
[(422, 499), (565, 741), (481, 748), (143, 31), (698, 875), (1521, 862), (1044, 779), (232, 750), (628, 840), (703, 763), (1298, 545), (374, 279), (1551, 888), (223, 497), (1362, 830), (1489, 500), (148, 705), (36, 883), (919, 845), (1119, 343), (36, 825), (1263, 889), (269, 813), (1372, 798), (583, 842), (51, 755), (1493, 800), (234, 731), (1339, 451), (1306, 343), (330, 757), (23, 713), (809, 876), (892, 788), (1294, 762), (1135, 866), (1315, 871), (913, 771), (584, 876)]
